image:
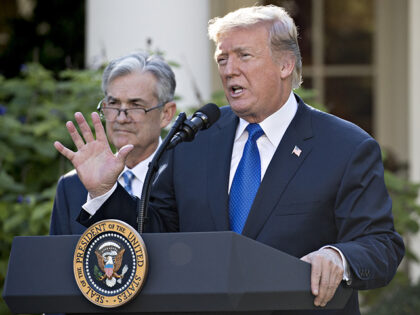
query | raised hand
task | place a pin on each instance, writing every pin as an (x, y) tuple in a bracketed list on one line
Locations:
[(98, 168)]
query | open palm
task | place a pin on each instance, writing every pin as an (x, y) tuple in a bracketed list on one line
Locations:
[(96, 165)]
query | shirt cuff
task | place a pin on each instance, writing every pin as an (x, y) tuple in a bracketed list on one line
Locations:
[(93, 204), (346, 274)]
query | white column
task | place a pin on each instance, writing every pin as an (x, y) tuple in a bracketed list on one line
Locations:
[(414, 110), (391, 108), (177, 28)]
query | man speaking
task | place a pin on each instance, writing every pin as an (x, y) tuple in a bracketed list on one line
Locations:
[(271, 168)]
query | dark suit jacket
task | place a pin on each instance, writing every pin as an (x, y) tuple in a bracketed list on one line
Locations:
[(69, 198), (333, 193)]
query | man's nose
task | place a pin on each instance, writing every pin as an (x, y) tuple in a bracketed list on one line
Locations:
[(231, 67), (122, 116)]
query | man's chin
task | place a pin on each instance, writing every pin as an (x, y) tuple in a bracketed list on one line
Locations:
[(120, 143), (239, 108)]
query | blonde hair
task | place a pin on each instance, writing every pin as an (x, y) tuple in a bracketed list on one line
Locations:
[(282, 31)]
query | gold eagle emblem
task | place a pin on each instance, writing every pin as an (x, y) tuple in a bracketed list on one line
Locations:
[(110, 257)]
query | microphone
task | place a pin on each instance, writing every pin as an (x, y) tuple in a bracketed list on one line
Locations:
[(201, 119)]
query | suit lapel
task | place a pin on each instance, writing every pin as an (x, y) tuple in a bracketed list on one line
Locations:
[(281, 169), (219, 154)]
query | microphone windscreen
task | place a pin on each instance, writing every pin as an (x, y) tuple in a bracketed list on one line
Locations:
[(212, 112)]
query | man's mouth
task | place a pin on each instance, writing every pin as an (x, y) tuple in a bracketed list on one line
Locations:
[(122, 130), (236, 90)]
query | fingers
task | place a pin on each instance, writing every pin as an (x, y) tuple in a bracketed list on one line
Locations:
[(87, 135), (63, 150), (326, 274), (326, 285), (84, 127), (316, 272), (75, 136), (99, 129)]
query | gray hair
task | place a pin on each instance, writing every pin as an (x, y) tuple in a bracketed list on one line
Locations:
[(143, 62), (282, 31)]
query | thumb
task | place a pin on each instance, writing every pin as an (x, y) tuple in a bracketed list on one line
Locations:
[(123, 152)]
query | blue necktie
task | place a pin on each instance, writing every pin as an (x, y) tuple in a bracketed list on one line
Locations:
[(246, 181), (128, 179)]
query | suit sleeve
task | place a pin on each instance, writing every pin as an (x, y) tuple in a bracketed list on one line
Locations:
[(163, 207), (120, 206), (60, 218), (363, 212)]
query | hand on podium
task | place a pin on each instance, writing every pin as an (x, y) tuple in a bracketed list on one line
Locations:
[(326, 274)]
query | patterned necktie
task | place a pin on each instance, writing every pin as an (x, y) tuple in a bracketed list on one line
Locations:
[(246, 181), (128, 179)]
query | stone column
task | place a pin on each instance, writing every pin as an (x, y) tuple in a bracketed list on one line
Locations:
[(177, 28)]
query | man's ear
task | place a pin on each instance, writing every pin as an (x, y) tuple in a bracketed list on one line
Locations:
[(167, 114), (287, 64)]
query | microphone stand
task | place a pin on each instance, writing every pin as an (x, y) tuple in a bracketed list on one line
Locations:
[(153, 167)]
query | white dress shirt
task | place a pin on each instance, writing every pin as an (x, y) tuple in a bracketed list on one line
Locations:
[(274, 128)]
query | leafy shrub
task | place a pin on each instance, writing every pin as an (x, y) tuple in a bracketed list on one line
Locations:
[(404, 300), (33, 110)]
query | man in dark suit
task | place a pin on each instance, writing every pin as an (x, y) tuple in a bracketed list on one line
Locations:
[(70, 195), (319, 193), (139, 90)]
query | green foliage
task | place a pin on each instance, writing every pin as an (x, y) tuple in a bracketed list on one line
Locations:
[(219, 98), (405, 208), (403, 300), (34, 108), (308, 96), (57, 41)]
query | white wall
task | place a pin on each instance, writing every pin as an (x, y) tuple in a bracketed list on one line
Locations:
[(178, 28), (414, 109)]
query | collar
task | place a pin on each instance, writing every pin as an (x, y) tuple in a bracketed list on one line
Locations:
[(276, 124), (140, 170)]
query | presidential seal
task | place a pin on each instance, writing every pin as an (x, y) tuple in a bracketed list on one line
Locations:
[(110, 263)]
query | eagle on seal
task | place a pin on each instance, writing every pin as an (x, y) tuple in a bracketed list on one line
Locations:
[(110, 267)]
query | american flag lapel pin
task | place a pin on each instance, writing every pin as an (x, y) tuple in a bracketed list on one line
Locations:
[(296, 151)]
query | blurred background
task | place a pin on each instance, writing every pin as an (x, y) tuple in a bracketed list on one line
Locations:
[(359, 63)]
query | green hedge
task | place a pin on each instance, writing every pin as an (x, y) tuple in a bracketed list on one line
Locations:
[(33, 110)]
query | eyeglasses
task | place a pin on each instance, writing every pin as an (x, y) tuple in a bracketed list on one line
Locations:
[(134, 114)]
